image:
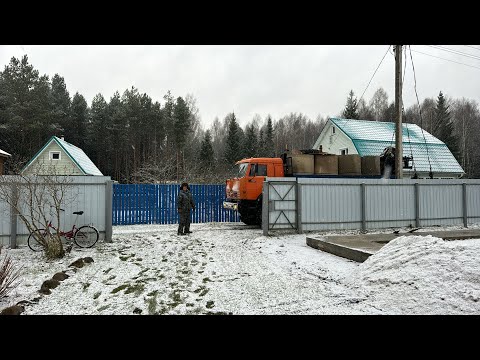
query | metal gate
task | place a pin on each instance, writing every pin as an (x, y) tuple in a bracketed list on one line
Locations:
[(280, 203)]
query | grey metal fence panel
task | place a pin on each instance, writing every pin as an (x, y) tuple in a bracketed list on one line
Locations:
[(4, 223), (326, 203), (390, 203), (473, 203), (441, 204), (88, 193)]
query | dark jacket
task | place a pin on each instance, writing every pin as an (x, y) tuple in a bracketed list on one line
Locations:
[(185, 201)]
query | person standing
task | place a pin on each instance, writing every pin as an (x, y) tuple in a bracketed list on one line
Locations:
[(184, 204)]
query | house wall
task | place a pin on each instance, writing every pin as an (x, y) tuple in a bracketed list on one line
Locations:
[(333, 143), (64, 166)]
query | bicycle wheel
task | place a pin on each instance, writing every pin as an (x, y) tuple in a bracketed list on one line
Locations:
[(86, 236), (34, 241)]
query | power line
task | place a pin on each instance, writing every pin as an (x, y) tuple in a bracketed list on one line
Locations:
[(476, 67), (374, 73), (420, 110), (456, 52), (403, 110)]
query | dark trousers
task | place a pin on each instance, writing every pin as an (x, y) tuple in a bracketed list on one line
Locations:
[(184, 224)]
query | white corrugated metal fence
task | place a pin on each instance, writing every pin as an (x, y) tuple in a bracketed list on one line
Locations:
[(315, 204)]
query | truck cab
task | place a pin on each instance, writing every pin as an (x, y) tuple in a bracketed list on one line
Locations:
[(244, 192)]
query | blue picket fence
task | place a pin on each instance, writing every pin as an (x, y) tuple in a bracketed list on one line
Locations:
[(157, 204)]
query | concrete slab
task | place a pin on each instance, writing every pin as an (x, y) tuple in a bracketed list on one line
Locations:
[(360, 247)]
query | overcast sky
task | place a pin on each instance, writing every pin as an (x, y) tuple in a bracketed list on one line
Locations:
[(257, 79)]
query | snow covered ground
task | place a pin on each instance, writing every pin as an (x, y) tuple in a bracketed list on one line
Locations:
[(229, 268)]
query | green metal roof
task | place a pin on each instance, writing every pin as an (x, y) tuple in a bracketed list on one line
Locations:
[(371, 137), (79, 157), (74, 153)]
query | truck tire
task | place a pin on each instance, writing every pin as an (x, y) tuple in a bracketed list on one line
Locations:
[(248, 212), (248, 220), (258, 212)]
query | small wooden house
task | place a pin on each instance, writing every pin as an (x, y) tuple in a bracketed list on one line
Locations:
[(62, 158)]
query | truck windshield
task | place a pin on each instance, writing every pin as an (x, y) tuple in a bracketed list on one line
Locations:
[(242, 169)]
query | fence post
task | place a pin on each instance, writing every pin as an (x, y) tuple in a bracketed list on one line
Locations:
[(362, 207), (13, 217), (108, 210), (265, 209), (417, 205), (298, 205), (465, 215)]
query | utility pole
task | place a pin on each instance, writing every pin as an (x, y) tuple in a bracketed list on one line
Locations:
[(398, 113)]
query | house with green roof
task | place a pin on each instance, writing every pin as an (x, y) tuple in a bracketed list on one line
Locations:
[(370, 138), (61, 157)]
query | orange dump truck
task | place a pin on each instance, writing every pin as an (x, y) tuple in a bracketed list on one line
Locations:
[(244, 192)]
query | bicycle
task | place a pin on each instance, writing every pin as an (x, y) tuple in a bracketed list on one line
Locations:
[(85, 236)]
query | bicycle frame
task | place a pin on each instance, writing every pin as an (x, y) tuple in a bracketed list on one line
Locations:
[(68, 234)]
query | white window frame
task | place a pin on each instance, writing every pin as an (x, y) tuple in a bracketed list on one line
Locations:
[(50, 155), (344, 149)]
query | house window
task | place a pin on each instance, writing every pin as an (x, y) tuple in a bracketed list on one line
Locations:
[(344, 151), (54, 155), (333, 129)]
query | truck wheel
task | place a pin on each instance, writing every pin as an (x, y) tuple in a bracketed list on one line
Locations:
[(258, 212), (248, 220)]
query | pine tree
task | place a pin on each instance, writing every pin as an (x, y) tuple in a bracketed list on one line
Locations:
[(78, 126), (26, 109), (181, 116), (121, 152), (445, 128), (269, 144), (207, 159), (261, 144), (350, 111), (61, 104), (98, 132), (232, 146), (250, 143)]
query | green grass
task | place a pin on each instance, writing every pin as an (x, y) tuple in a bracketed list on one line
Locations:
[(152, 304), (121, 287), (137, 289), (125, 258)]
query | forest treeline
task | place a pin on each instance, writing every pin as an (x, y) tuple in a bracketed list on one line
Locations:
[(134, 138)]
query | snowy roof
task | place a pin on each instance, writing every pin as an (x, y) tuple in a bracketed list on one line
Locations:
[(75, 153), (4, 153), (371, 137)]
